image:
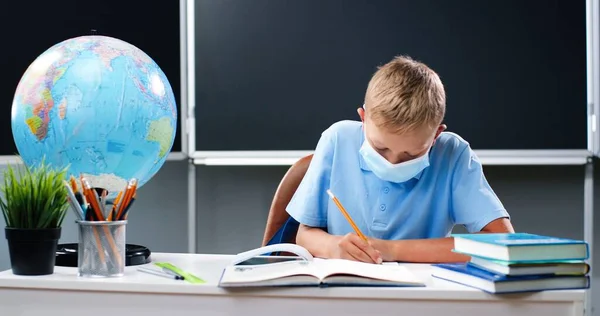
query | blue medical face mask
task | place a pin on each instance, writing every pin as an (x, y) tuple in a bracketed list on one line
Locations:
[(387, 171)]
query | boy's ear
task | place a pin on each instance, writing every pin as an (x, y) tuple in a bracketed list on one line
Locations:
[(439, 130), (361, 114)]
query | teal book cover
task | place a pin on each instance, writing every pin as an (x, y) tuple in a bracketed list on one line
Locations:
[(519, 239), (523, 247)]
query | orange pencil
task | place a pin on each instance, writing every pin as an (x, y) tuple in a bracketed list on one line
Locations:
[(73, 184), (348, 218), (126, 199), (89, 193), (113, 213)]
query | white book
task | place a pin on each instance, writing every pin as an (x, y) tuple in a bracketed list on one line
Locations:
[(249, 270)]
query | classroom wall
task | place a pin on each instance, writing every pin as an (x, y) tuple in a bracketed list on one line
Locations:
[(233, 203)]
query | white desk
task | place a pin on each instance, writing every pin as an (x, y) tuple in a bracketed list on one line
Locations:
[(65, 294)]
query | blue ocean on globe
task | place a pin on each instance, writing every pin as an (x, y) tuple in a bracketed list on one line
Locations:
[(98, 105)]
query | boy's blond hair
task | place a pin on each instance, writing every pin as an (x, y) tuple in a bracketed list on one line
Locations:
[(405, 94)]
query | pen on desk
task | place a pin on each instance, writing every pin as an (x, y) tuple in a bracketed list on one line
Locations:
[(173, 273), (188, 277), (160, 273), (348, 218)]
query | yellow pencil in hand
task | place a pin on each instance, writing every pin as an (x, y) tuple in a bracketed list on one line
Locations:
[(348, 218)]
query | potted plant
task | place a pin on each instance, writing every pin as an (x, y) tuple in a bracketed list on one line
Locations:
[(34, 203)]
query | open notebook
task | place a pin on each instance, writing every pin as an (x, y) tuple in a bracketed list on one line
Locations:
[(308, 271)]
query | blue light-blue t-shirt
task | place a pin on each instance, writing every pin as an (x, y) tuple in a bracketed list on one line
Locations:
[(451, 191)]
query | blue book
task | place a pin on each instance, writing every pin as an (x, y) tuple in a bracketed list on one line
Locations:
[(521, 247), (469, 275)]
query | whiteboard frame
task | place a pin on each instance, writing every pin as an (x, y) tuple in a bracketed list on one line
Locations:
[(191, 76), (15, 160), (592, 9), (487, 157), (183, 79), (593, 74)]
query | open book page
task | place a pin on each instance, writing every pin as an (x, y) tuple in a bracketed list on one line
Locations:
[(257, 273), (327, 268)]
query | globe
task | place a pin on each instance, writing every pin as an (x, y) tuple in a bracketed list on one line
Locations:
[(99, 106)]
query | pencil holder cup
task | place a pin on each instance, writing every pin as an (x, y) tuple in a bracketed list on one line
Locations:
[(101, 248)]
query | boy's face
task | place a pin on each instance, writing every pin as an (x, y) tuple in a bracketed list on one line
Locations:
[(397, 148)]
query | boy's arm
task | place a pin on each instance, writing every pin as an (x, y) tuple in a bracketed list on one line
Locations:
[(432, 250), (323, 245), (314, 240)]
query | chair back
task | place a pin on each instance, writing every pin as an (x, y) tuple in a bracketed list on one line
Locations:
[(281, 228)]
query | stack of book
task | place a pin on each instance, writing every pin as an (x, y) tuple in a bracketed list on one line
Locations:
[(518, 262)]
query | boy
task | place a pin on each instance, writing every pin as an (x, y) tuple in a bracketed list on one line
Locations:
[(404, 182)]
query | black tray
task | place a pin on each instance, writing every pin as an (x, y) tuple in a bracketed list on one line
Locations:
[(66, 255)]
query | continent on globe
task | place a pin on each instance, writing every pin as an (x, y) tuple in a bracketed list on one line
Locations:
[(34, 90), (84, 95), (161, 131)]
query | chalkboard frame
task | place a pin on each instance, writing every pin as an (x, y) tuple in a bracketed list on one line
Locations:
[(184, 83), (488, 157), (593, 75)]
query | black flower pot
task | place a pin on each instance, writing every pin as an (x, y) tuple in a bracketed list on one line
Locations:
[(32, 251)]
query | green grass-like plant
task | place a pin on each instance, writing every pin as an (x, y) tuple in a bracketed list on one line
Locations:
[(34, 198)]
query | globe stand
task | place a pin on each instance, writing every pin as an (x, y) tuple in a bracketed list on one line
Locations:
[(66, 255)]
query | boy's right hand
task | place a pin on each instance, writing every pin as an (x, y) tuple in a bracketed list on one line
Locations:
[(352, 247)]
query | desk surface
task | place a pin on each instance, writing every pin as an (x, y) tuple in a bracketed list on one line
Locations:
[(209, 268)]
